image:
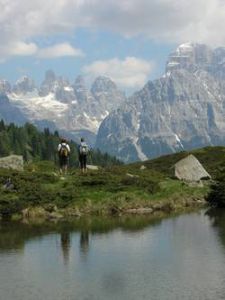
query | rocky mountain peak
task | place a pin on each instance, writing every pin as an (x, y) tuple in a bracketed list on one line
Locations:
[(50, 84), (80, 89), (57, 103), (103, 84), (24, 85), (182, 110), (79, 83), (106, 93), (190, 56)]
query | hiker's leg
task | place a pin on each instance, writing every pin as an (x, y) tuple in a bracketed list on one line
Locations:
[(60, 165), (81, 163), (85, 163), (66, 168), (67, 164)]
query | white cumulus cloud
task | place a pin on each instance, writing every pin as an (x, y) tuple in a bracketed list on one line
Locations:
[(23, 21), (59, 50), (128, 73), (18, 48)]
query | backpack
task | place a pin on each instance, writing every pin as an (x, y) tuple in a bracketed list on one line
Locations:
[(63, 152), (83, 149)]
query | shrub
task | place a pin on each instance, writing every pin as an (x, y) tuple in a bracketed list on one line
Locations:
[(10, 204), (216, 197)]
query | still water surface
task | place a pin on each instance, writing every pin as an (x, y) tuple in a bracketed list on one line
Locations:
[(181, 257)]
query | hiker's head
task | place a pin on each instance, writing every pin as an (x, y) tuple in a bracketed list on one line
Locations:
[(63, 140), (82, 139)]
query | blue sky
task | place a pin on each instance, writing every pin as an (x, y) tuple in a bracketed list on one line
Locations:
[(95, 46), (127, 40)]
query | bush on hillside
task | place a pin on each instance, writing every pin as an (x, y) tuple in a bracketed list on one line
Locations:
[(216, 197)]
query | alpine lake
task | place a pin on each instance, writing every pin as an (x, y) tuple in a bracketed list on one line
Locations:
[(130, 257)]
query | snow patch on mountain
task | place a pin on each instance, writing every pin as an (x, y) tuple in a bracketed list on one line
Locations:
[(72, 108), (38, 108), (178, 140), (140, 154)]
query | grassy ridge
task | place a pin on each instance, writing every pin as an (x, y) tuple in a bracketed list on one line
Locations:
[(212, 158), (114, 189)]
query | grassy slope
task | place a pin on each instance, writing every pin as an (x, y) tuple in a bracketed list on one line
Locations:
[(212, 158), (107, 190)]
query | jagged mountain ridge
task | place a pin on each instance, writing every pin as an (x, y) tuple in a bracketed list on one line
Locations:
[(70, 108), (184, 109)]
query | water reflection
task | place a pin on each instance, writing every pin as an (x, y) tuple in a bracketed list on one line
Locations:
[(115, 258), (14, 235), (66, 245), (217, 218), (84, 242)]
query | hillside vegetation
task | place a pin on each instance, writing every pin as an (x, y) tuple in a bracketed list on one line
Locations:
[(110, 190)]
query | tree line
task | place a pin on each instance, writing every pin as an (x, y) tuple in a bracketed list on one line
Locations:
[(33, 144)]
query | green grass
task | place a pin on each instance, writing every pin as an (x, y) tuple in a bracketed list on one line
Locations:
[(212, 158), (107, 189)]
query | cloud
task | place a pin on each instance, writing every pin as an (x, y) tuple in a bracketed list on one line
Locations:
[(23, 21), (163, 20), (59, 50), (128, 73), (17, 48)]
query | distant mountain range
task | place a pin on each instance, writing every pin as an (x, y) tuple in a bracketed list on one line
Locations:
[(184, 109), (58, 104)]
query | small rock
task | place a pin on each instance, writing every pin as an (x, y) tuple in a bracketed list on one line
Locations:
[(72, 212), (55, 216), (25, 213), (34, 213), (141, 211), (92, 167), (157, 207), (143, 167), (8, 185), (132, 176)]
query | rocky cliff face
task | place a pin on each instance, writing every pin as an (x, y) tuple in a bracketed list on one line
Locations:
[(9, 113), (184, 109), (70, 108)]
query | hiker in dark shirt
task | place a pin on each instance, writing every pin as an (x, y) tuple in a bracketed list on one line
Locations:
[(63, 152), (83, 151)]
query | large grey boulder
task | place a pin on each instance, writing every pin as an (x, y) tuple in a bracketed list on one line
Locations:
[(190, 169), (14, 162)]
